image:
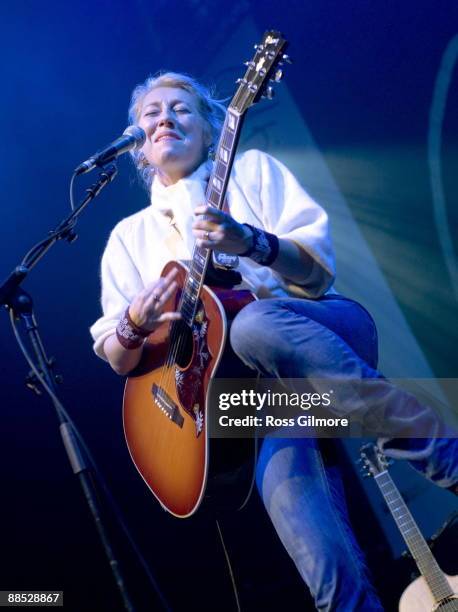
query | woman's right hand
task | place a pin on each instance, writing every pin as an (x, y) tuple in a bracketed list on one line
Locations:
[(147, 312), (147, 308)]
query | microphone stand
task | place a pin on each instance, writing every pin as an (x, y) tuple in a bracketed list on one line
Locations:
[(20, 303)]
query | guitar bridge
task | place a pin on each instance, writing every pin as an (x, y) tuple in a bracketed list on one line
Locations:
[(167, 405)]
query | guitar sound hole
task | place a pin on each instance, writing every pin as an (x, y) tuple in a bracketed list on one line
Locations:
[(182, 343)]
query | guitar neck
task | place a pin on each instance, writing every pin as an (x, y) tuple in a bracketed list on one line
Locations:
[(224, 158), (215, 194), (262, 69), (416, 543)]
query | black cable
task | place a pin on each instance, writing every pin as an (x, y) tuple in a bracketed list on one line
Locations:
[(229, 565)]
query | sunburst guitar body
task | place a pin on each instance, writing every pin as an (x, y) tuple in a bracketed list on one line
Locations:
[(167, 406)]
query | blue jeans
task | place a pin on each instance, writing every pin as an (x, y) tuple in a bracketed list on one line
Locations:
[(333, 337)]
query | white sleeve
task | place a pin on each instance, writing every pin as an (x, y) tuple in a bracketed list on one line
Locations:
[(121, 282), (289, 212)]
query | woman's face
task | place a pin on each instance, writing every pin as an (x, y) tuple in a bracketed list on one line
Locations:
[(177, 137)]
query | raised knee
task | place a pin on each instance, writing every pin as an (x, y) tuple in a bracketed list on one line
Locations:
[(254, 328)]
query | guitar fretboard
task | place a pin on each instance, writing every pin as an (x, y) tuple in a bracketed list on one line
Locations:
[(215, 194), (437, 582)]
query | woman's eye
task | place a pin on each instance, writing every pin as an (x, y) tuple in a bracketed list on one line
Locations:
[(181, 109), (151, 113)]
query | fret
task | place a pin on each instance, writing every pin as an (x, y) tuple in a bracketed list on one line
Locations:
[(228, 140), (187, 305), (199, 261), (217, 184), (192, 294), (401, 520), (220, 170), (224, 154), (198, 271), (199, 258), (187, 317), (402, 524), (192, 299), (213, 197), (411, 529), (399, 515), (416, 542), (392, 494), (231, 121), (405, 519), (194, 279), (399, 508)]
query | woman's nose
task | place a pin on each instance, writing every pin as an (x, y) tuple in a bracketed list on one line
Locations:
[(165, 118)]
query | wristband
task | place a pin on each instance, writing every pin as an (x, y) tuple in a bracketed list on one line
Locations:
[(265, 247), (129, 335)]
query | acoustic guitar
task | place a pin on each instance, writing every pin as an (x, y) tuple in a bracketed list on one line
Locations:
[(433, 590), (167, 407)]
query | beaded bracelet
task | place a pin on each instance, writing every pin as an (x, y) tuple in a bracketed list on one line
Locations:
[(129, 335), (264, 249)]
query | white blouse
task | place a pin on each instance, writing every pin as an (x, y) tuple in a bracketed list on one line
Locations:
[(261, 191)]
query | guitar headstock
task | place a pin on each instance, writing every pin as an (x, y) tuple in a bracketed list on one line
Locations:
[(373, 461), (264, 67)]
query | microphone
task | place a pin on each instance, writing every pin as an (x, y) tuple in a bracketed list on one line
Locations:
[(132, 138)]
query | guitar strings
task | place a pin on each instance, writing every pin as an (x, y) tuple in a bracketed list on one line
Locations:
[(178, 333)]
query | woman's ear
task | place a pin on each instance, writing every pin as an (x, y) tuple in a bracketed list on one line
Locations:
[(208, 137)]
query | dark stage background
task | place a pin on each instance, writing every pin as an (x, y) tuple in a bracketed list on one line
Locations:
[(366, 117)]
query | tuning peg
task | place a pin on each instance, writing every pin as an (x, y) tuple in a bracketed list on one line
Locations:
[(258, 47), (269, 93), (278, 76), (286, 58), (241, 81), (250, 64)]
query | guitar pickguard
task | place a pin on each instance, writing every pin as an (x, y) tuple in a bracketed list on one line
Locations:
[(189, 381)]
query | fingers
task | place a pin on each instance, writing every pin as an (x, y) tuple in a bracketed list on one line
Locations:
[(212, 213), (155, 290), (171, 275), (160, 295), (214, 228), (209, 239), (169, 316), (202, 224), (146, 308)]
